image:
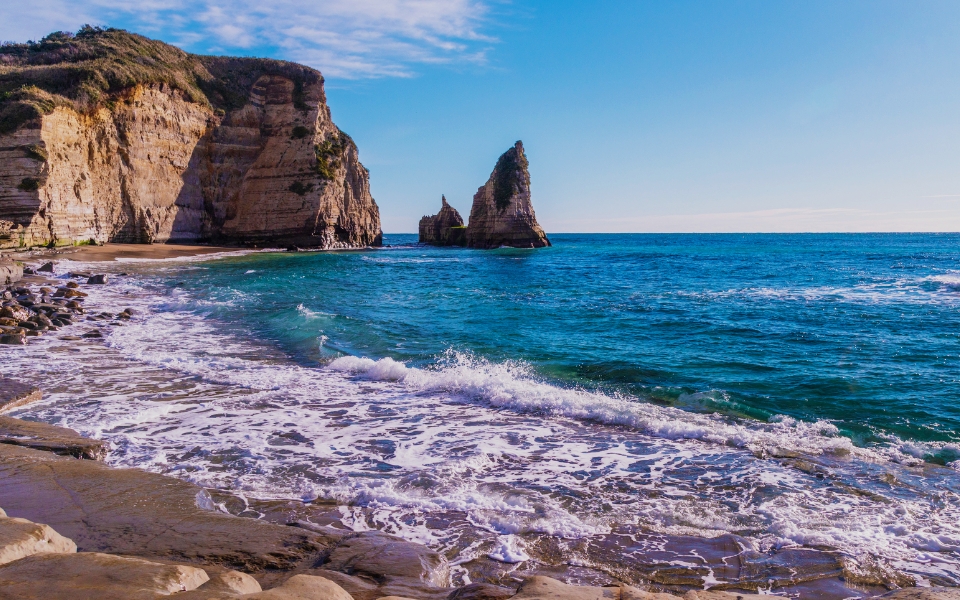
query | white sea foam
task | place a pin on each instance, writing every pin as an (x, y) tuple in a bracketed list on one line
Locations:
[(509, 551), (396, 446), (512, 385)]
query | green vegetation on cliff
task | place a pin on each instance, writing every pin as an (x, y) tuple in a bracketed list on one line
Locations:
[(505, 179), (96, 66)]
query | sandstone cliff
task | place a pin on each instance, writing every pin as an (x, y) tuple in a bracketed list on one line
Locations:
[(444, 228), (502, 213), (107, 136)]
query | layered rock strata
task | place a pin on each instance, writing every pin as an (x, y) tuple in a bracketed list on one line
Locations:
[(502, 213), (444, 228), (180, 148)]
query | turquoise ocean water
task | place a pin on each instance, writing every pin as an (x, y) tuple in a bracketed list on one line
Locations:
[(797, 392)]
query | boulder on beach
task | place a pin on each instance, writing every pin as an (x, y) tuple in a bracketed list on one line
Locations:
[(10, 272), (20, 538)]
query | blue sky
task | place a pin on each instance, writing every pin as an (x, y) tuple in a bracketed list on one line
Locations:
[(636, 116)]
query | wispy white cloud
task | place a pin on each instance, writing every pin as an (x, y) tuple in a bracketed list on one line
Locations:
[(350, 39)]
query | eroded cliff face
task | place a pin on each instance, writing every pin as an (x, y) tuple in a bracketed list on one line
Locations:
[(152, 166), (502, 212), (444, 228)]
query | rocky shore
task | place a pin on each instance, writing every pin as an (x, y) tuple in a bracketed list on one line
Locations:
[(77, 529), (74, 527)]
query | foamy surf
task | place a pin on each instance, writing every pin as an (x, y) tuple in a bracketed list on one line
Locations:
[(514, 386), (485, 459)]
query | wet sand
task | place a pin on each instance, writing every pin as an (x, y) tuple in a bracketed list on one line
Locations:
[(111, 252)]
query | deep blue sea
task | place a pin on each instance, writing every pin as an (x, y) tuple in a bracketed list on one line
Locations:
[(796, 392)]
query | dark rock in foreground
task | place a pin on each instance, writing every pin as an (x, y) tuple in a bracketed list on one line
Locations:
[(143, 514), (14, 394), (502, 213), (59, 440), (444, 228)]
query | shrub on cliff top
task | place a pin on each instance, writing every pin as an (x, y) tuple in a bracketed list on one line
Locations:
[(89, 69)]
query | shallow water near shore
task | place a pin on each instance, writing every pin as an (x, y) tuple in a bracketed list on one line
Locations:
[(771, 412)]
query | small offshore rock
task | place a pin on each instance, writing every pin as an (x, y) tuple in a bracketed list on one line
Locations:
[(29, 271), (70, 338), (443, 229), (46, 268), (95, 333), (97, 279), (71, 284), (17, 339)]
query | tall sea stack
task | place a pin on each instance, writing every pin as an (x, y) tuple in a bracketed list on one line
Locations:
[(444, 228), (502, 213), (107, 136)]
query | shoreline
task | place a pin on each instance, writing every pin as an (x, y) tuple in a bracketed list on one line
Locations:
[(228, 543), (112, 252), (167, 521)]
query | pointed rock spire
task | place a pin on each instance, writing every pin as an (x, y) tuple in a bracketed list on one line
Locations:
[(443, 229), (502, 213)]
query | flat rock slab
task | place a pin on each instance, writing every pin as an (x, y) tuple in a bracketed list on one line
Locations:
[(14, 393), (132, 512), (545, 588), (298, 587), (382, 556), (41, 436), (482, 591), (933, 593), (719, 595), (365, 588), (93, 576), (20, 538)]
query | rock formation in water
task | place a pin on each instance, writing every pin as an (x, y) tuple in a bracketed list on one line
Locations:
[(444, 228), (502, 214), (107, 136)]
